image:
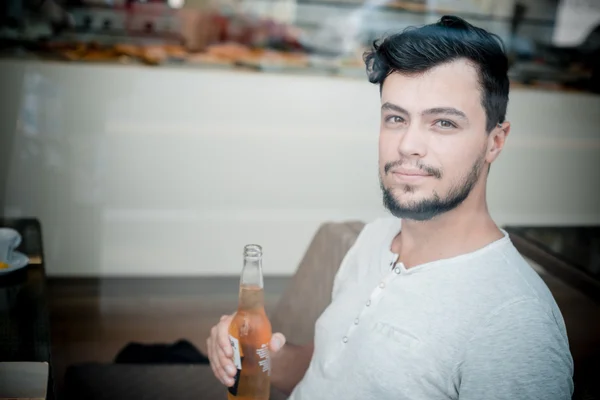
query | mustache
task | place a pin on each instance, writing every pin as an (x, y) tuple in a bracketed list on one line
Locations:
[(437, 173)]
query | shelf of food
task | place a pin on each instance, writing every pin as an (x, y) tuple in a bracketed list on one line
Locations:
[(316, 42), (231, 55)]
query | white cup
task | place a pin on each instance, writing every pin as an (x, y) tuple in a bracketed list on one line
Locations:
[(9, 241)]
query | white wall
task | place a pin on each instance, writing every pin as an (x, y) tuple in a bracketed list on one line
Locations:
[(158, 171)]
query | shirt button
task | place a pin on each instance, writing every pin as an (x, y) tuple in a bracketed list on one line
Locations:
[(368, 302), (382, 285), (397, 270), (356, 321), (345, 339)]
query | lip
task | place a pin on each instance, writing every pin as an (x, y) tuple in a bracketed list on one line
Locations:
[(408, 175)]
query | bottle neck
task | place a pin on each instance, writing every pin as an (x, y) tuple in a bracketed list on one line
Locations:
[(251, 281), (252, 272), (251, 298)]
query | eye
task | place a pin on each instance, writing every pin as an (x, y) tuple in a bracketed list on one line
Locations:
[(394, 120), (445, 124)]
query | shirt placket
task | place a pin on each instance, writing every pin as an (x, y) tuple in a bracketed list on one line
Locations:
[(366, 307), (374, 297)]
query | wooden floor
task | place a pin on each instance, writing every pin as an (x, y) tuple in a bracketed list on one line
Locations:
[(93, 319)]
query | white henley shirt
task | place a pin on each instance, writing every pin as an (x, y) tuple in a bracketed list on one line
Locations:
[(477, 326)]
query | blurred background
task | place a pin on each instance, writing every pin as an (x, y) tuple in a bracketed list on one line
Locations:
[(146, 142)]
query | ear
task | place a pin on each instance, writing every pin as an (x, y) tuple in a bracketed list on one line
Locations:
[(496, 140)]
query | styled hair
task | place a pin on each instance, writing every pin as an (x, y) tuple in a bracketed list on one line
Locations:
[(416, 50)]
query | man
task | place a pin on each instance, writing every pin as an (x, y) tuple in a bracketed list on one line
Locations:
[(441, 305)]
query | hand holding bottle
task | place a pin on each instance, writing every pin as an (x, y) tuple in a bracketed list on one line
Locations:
[(241, 345), (220, 352)]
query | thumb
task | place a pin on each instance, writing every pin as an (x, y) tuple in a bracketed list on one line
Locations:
[(277, 342)]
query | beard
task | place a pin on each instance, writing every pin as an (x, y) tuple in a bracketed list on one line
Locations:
[(429, 208)]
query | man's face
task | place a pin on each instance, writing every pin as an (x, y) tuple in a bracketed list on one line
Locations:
[(432, 142)]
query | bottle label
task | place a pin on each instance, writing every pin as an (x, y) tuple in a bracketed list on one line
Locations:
[(237, 361), (264, 357)]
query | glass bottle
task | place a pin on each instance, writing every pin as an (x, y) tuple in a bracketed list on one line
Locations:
[(250, 333)]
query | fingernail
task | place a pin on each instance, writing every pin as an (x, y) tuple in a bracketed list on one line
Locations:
[(230, 370), (276, 344)]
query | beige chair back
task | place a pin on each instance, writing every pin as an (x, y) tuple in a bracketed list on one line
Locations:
[(309, 292)]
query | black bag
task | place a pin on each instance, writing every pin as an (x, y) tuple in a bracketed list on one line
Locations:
[(180, 352)]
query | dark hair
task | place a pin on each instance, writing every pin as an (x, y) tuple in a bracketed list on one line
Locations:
[(417, 50)]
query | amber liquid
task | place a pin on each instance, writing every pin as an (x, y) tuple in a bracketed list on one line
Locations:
[(251, 327)]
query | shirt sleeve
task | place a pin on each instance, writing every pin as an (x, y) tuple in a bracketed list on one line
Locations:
[(520, 352)]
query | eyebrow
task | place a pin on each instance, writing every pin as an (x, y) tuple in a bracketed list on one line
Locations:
[(393, 107), (431, 111), (445, 111)]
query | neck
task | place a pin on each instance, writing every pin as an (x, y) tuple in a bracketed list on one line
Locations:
[(465, 229)]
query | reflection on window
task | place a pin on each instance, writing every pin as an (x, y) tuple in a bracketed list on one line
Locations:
[(551, 43)]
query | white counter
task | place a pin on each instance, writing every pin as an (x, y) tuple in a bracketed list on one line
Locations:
[(166, 171)]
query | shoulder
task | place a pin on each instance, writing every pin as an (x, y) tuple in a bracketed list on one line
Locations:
[(378, 230), (374, 239), (524, 324), (370, 241), (517, 282), (527, 313), (500, 275), (503, 290)]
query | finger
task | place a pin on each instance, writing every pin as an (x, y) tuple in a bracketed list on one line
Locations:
[(225, 368), (213, 360), (277, 342), (225, 378), (224, 317), (226, 364), (215, 363), (210, 343), (220, 373), (223, 338), (216, 369), (208, 348)]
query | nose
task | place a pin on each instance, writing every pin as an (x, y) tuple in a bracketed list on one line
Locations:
[(411, 143)]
